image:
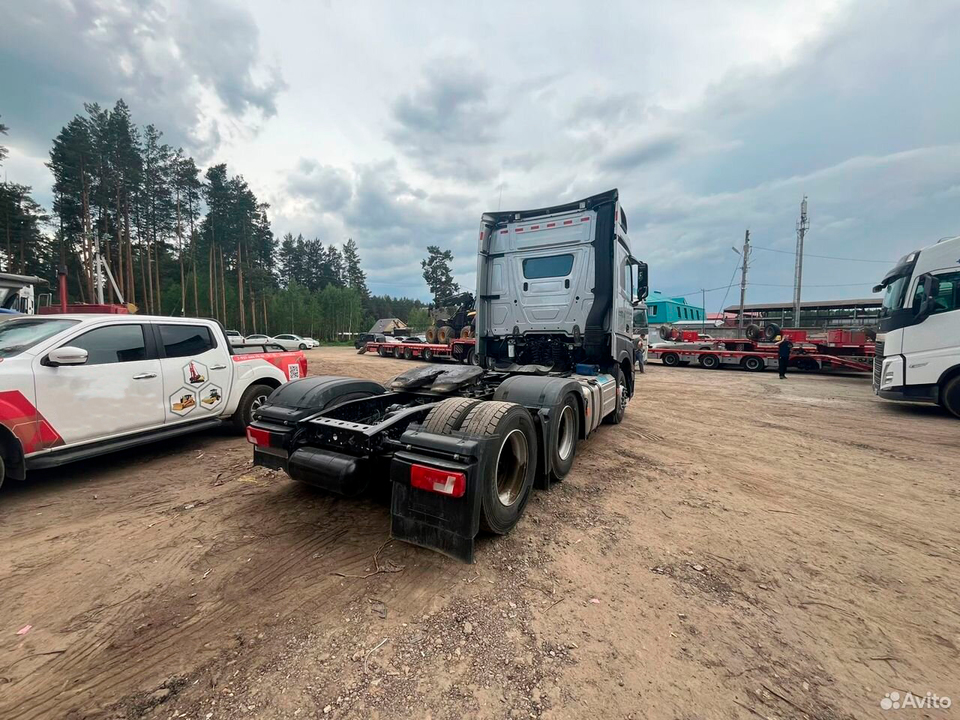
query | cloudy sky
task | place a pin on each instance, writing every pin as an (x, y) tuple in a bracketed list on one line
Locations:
[(398, 124)]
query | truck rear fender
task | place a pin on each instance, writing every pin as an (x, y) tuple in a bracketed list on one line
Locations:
[(542, 396)]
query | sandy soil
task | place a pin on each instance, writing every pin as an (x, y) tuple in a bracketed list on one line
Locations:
[(739, 547)]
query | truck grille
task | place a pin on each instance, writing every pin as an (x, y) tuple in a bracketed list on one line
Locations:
[(877, 365)]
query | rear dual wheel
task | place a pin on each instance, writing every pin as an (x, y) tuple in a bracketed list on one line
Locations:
[(670, 359), (753, 363), (710, 362)]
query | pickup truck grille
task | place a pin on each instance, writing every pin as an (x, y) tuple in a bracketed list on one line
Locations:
[(877, 366)]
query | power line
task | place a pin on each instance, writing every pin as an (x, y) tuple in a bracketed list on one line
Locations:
[(753, 284), (826, 257)]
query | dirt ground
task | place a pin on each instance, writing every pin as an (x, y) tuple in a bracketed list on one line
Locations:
[(739, 547)]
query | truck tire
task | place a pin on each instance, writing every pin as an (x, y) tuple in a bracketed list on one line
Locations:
[(253, 397), (448, 415), (709, 362), (753, 332), (467, 332), (471, 358), (427, 354), (3, 471), (753, 363), (445, 334), (431, 335), (670, 359), (616, 417), (508, 477), (382, 351), (564, 447), (950, 396), (408, 353), (770, 331)]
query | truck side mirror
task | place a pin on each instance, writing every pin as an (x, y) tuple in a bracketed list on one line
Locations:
[(931, 288), (642, 282)]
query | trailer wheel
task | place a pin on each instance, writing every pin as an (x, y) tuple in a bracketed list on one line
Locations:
[(408, 353), (616, 417), (753, 363), (564, 448), (507, 480), (471, 357), (709, 362), (253, 397), (449, 415), (805, 364), (427, 354), (950, 396), (670, 359), (445, 334)]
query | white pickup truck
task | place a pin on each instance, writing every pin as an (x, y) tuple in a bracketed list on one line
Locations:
[(75, 386)]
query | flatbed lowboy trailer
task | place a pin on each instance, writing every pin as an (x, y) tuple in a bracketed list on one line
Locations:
[(807, 355), (461, 350), (465, 445)]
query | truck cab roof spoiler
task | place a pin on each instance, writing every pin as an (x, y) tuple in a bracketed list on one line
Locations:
[(589, 203)]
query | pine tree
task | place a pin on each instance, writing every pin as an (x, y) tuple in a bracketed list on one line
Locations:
[(437, 274), (355, 277)]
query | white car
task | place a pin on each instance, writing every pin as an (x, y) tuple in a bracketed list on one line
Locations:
[(76, 386), (313, 343), (292, 342), (257, 340), (234, 337)]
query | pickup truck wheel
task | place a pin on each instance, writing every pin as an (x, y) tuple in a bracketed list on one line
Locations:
[(252, 399), (448, 415), (616, 417), (508, 475), (950, 396), (670, 359), (564, 448)]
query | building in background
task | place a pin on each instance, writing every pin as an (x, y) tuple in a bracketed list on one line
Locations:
[(662, 309), (388, 326), (822, 315)]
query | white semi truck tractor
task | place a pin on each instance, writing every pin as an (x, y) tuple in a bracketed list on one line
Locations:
[(918, 343), (464, 445)]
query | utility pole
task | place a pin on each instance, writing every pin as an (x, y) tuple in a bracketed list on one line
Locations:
[(745, 257), (703, 310), (802, 226)]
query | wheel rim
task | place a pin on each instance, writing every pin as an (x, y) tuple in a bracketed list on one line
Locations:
[(670, 360), (258, 402), (511, 467), (567, 433)]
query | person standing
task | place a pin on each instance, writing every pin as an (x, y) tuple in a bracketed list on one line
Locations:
[(784, 346)]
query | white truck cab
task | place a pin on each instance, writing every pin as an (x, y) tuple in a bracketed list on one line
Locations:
[(918, 344), (75, 386)]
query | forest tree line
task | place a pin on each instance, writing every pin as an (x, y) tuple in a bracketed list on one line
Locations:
[(179, 241)]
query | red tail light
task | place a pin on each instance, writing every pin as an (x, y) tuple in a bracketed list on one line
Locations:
[(257, 436), (445, 482)]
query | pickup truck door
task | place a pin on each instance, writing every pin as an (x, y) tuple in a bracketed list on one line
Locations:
[(118, 390), (197, 370)]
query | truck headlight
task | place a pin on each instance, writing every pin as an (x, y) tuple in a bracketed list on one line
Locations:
[(892, 372)]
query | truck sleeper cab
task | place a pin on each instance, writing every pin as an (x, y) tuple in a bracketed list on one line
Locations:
[(465, 445), (918, 343)]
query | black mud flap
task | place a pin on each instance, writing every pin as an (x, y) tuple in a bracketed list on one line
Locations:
[(432, 520)]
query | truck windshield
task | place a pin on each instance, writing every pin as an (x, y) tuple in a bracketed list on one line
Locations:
[(893, 295), (21, 334)]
